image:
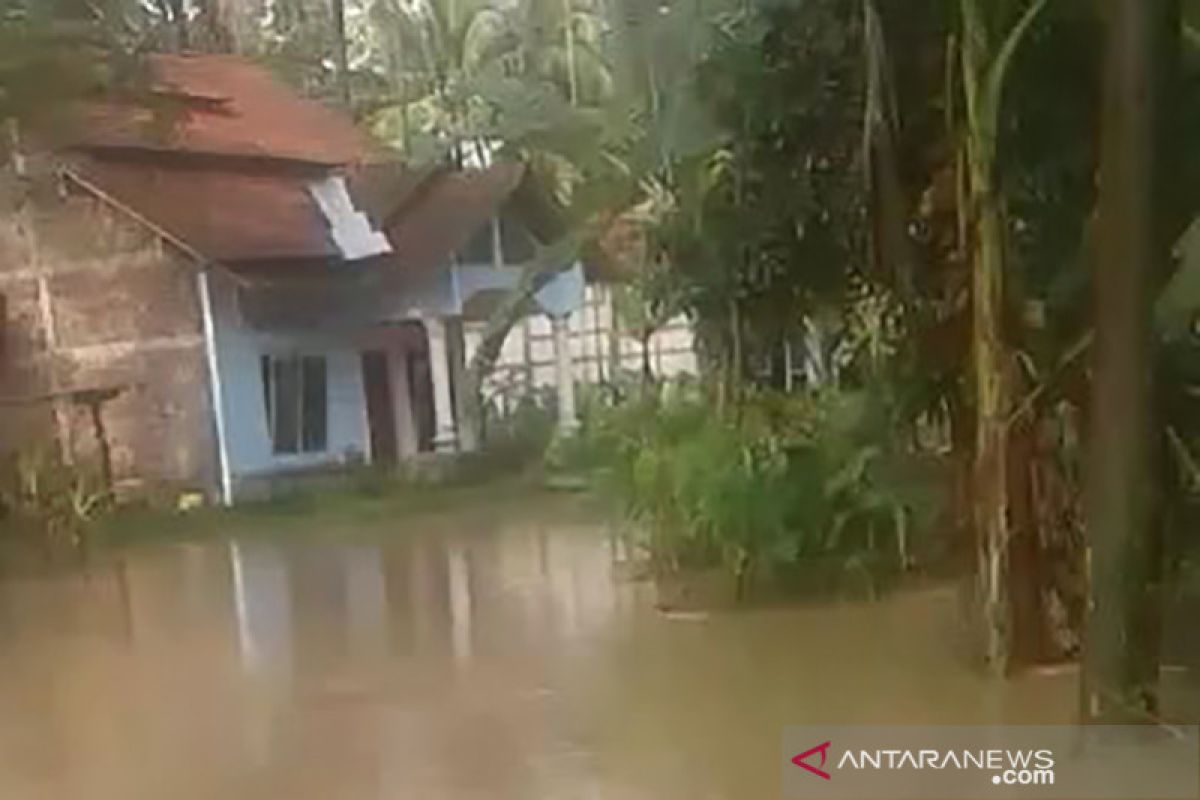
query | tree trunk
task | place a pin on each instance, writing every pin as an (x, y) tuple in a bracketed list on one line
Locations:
[(647, 334), (1030, 630), (1120, 679), (891, 251), (548, 263), (218, 25), (572, 68), (340, 51), (175, 19), (737, 367)]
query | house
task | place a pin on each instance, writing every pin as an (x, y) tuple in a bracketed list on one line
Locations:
[(263, 291)]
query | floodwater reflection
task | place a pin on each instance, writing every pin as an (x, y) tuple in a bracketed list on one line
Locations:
[(459, 656)]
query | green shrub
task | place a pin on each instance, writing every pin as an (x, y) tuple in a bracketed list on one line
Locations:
[(791, 480)]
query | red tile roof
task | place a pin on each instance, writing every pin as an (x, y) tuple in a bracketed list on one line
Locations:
[(230, 176), (225, 105), (232, 215), (441, 215), (225, 214), (381, 189)]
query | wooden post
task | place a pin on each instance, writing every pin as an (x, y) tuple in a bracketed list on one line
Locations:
[(106, 471)]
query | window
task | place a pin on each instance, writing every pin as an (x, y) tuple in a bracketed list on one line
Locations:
[(295, 398), (516, 244)]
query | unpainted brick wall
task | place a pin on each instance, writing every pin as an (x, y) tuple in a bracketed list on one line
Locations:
[(94, 299)]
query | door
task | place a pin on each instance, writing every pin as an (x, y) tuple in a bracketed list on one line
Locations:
[(420, 387), (381, 408)]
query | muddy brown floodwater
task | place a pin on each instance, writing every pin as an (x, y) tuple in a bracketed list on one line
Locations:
[(482, 654)]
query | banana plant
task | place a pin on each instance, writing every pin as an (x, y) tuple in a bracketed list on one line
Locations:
[(991, 35)]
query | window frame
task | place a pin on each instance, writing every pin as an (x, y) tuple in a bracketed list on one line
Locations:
[(309, 438)]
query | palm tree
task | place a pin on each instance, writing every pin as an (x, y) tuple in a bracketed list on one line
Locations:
[(564, 42), (456, 65)]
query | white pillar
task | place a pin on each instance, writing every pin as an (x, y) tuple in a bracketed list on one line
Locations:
[(564, 376), (445, 436), (456, 349)]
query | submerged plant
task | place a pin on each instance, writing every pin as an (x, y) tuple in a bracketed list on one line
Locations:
[(42, 493)]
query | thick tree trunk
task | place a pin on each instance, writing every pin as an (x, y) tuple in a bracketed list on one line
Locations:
[(1124, 528)]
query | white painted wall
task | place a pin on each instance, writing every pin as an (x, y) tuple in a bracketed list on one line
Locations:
[(528, 354), (239, 350)]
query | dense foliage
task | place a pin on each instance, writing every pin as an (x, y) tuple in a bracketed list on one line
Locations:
[(794, 480)]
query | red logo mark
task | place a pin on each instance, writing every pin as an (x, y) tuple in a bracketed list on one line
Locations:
[(823, 750)]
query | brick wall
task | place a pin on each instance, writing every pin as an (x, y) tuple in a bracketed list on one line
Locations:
[(94, 299)]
